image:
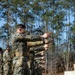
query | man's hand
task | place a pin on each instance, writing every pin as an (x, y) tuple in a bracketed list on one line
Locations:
[(42, 52), (42, 57), (46, 46), (46, 41), (46, 35)]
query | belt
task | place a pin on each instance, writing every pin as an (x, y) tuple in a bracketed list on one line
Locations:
[(20, 53)]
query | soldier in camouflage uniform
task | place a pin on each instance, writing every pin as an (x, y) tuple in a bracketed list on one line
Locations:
[(7, 62), (20, 49), (34, 51), (37, 57), (1, 57)]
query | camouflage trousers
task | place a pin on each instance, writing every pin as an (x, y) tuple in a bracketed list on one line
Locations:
[(6, 69), (20, 66)]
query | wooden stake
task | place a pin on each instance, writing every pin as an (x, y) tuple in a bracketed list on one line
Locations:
[(74, 66)]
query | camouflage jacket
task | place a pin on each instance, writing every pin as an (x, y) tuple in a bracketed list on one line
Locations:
[(19, 41), (6, 57)]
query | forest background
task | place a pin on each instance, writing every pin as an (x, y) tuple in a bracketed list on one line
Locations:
[(39, 16)]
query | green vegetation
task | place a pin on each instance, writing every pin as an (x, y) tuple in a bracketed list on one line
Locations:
[(56, 16)]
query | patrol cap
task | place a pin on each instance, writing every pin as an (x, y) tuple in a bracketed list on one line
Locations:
[(0, 49), (20, 26)]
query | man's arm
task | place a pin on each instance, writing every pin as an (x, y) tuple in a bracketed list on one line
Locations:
[(35, 44), (37, 37), (22, 37), (38, 43), (6, 57), (39, 48)]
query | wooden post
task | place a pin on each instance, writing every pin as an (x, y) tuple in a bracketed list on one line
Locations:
[(69, 73), (74, 66)]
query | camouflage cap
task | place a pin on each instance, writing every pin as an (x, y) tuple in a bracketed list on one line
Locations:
[(20, 26)]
